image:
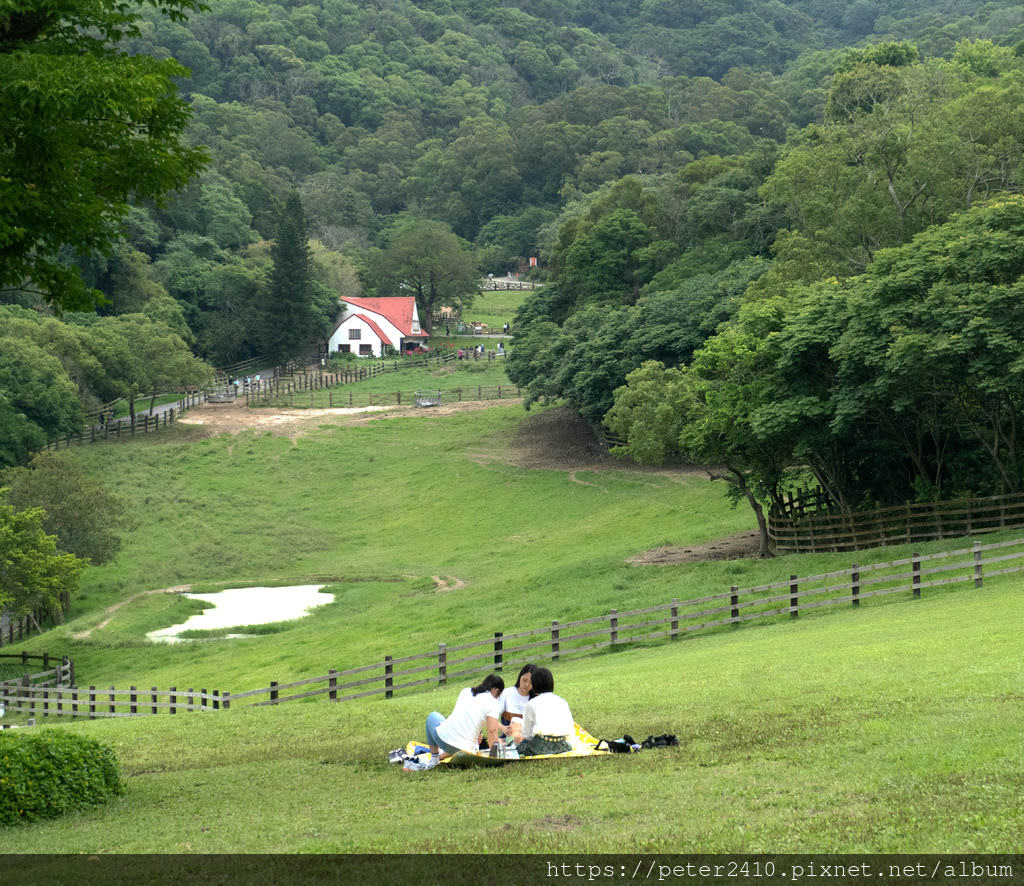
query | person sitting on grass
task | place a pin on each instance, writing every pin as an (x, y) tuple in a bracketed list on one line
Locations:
[(547, 721), (513, 701), (476, 710)]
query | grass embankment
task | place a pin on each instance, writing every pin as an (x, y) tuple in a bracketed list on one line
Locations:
[(892, 728)]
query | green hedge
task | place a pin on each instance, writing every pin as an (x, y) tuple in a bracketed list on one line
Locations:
[(52, 772)]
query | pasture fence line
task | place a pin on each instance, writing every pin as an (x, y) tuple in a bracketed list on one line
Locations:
[(312, 397), (804, 525), (281, 388), (13, 628), (676, 619)]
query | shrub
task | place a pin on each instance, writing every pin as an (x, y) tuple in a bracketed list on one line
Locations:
[(52, 772)]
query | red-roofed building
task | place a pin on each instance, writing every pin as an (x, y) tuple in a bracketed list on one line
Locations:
[(369, 325)]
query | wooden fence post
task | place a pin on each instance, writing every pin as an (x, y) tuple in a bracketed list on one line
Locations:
[(794, 597), (389, 677), (734, 601), (113, 709), (917, 575), (977, 564), (216, 699), (74, 700), (674, 624), (498, 647), (92, 702), (332, 685), (273, 691), (202, 698), (152, 700), (613, 626), (225, 700), (855, 585), (173, 698), (555, 645), (442, 664), (133, 698)]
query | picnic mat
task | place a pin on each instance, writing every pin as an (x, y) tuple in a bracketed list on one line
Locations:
[(583, 745)]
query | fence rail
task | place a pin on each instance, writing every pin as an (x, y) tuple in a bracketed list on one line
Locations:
[(313, 397), (787, 598), (17, 628), (809, 532)]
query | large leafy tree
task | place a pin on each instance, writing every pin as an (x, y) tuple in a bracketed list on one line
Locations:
[(85, 129), (37, 399), (425, 259), (34, 575), (83, 515)]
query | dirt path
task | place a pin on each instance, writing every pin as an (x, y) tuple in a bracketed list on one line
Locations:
[(110, 610)]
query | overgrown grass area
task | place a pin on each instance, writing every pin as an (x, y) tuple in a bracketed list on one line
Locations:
[(887, 729), (892, 727)]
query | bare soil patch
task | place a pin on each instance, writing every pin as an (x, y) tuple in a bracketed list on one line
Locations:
[(734, 547), (211, 419)]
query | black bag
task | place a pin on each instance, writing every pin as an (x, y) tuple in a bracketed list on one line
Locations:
[(622, 745), (660, 741)]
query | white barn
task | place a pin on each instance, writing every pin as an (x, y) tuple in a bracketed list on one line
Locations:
[(369, 325)]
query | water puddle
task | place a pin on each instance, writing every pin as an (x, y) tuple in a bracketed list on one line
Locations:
[(235, 607)]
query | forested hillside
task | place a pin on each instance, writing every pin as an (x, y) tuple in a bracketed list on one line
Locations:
[(670, 164), (492, 119)]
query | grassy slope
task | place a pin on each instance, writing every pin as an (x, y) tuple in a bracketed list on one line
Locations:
[(395, 498), (893, 727)]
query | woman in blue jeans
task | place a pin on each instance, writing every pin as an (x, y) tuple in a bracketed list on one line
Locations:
[(476, 710)]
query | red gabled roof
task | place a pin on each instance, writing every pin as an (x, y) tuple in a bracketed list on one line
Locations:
[(380, 332), (397, 309)]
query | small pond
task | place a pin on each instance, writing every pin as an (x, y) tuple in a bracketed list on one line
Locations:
[(235, 607)]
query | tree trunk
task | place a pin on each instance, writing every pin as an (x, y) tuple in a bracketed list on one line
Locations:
[(764, 550)]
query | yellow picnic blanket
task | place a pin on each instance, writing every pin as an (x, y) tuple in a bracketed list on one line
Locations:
[(583, 745)]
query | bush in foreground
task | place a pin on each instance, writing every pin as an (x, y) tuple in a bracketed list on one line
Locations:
[(51, 773)]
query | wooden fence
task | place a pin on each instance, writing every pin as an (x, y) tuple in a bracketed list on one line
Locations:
[(784, 599), (808, 530), (16, 628), (317, 399), (60, 674)]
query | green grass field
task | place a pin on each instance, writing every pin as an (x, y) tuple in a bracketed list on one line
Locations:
[(889, 729), (893, 727), (494, 308)]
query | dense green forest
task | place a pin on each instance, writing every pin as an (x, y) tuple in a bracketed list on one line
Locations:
[(698, 180)]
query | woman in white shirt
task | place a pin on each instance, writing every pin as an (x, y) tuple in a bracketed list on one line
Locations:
[(513, 701), (475, 710), (547, 721)]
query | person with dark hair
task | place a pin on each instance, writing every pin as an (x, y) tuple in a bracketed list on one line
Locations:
[(513, 700), (547, 721), (476, 710)]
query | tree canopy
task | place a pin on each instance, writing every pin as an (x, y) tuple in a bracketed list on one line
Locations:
[(85, 128)]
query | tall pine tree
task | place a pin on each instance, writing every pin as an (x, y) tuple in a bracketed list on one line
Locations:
[(291, 319)]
